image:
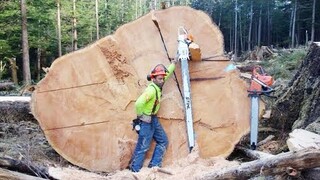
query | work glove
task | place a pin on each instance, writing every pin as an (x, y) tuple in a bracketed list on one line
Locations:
[(144, 118), (176, 59)]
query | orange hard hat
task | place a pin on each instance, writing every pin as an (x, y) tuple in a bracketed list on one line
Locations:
[(159, 69)]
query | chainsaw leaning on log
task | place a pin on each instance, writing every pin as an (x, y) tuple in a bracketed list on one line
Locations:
[(260, 85), (184, 54), (184, 39)]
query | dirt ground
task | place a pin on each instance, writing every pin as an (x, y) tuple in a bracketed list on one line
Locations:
[(25, 141)]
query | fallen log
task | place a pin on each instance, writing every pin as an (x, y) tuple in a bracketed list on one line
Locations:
[(253, 154), (282, 163), (24, 167), (6, 86), (15, 108), (7, 174), (266, 140), (85, 103)]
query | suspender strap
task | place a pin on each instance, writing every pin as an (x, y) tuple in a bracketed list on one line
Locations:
[(155, 102)]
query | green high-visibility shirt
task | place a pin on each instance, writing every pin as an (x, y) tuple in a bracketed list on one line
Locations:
[(145, 102)]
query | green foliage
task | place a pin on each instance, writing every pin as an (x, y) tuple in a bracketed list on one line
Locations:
[(42, 24), (10, 34), (284, 65)]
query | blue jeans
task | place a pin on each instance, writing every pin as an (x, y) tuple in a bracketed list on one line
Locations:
[(148, 132)]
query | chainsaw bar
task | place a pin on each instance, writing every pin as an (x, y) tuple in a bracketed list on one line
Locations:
[(183, 51), (254, 120)]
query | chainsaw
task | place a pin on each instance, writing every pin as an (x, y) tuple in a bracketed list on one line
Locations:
[(260, 85), (184, 40)]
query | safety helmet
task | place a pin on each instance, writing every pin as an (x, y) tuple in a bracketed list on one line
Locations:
[(159, 69)]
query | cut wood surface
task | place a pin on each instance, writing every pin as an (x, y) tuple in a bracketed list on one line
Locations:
[(85, 103), (301, 139), (278, 164)]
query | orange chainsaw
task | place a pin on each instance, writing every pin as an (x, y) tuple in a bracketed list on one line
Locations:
[(260, 85), (260, 82)]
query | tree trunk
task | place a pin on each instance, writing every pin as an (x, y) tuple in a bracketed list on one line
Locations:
[(140, 8), (87, 98), (14, 67), (294, 24), (97, 19), (59, 28), (313, 20), (250, 27), (306, 38), (38, 64), (241, 35), (220, 15), (259, 27), (291, 22), (74, 27), (283, 163), (25, 44), (236, 31), (269, 25)]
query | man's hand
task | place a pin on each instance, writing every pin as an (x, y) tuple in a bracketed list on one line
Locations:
[(175, 60)]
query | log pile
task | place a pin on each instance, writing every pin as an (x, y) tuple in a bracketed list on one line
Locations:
[(258, 54), (85, 103)]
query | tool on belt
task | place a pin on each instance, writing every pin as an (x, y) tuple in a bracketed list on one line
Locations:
[(136, 123), (260, 85)]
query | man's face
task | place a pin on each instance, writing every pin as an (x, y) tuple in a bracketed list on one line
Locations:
[(159, 80)]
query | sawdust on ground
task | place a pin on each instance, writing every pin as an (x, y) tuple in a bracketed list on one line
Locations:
[(190, 167)]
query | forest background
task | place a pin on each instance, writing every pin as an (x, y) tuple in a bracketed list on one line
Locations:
[(34, 33)]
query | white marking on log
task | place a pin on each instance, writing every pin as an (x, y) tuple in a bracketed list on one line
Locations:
[(15, 98)]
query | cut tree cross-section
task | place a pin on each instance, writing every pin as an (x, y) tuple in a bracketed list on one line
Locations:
[(85, 103)]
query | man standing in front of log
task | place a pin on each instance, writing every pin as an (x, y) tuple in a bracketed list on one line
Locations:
[(147, 106)]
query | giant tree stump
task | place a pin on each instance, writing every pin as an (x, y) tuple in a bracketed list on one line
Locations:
[(85, 103)]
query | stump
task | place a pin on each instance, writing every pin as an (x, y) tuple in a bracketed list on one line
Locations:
[(299, 106)]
